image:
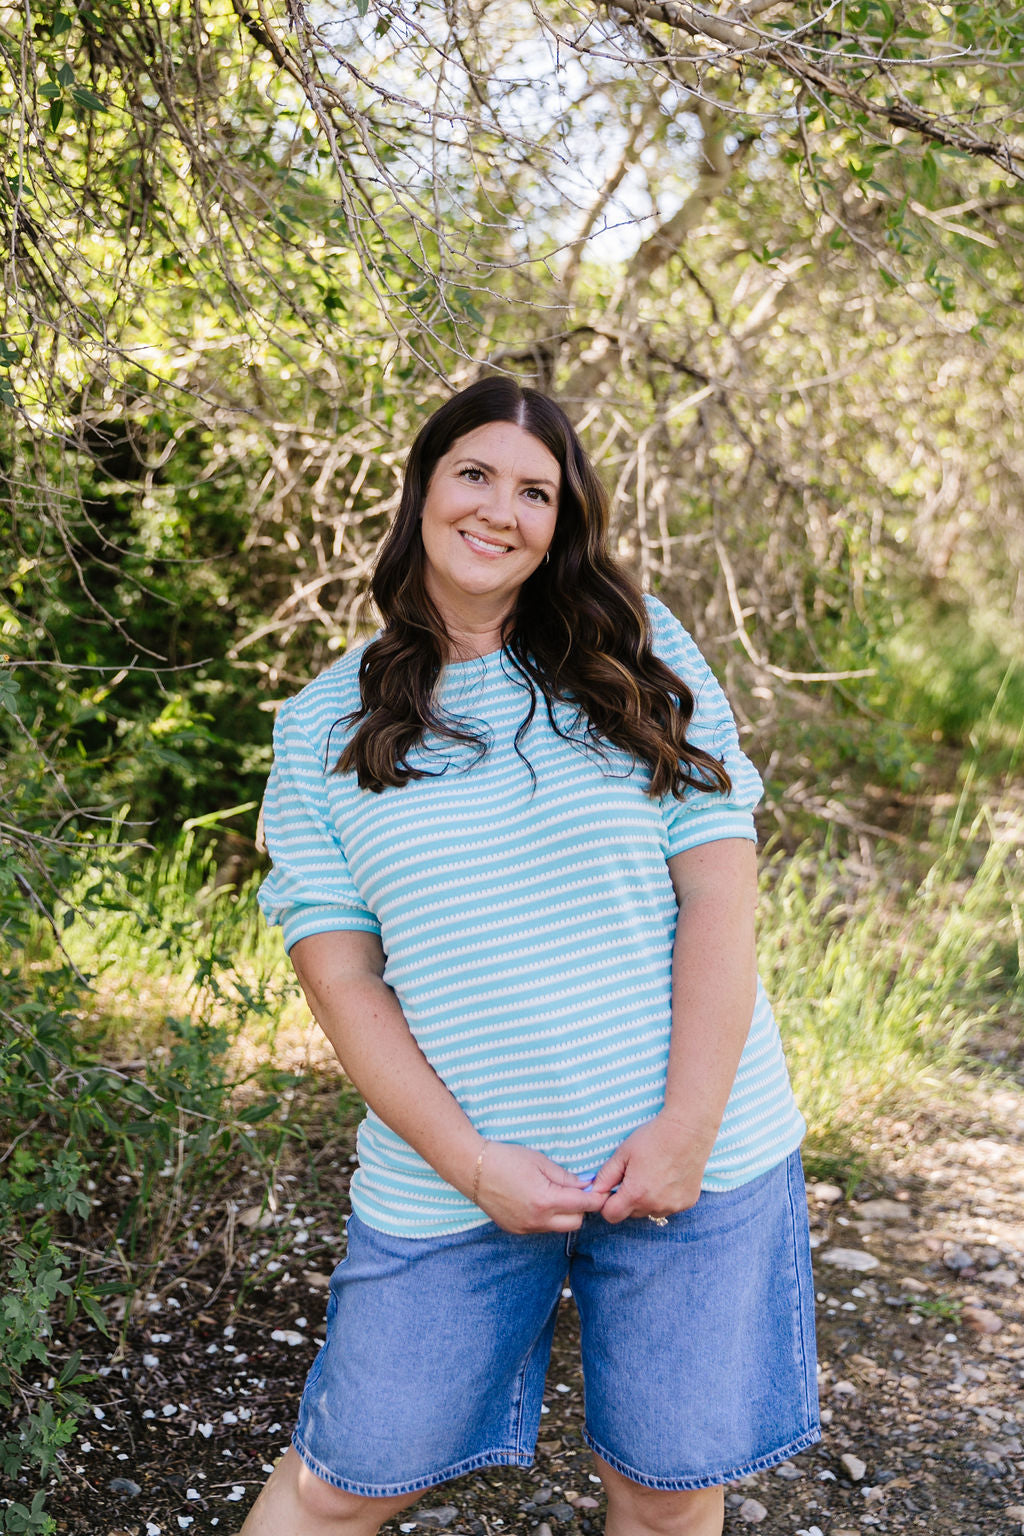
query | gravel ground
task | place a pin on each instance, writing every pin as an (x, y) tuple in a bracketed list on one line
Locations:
[(921, 1350)]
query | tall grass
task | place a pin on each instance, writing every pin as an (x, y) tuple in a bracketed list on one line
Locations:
[(885, 988), (169, 935)]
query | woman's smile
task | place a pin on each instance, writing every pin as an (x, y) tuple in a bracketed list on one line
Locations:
[(484, 545)]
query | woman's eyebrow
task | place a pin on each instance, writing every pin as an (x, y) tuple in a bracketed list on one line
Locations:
[(531, 479)]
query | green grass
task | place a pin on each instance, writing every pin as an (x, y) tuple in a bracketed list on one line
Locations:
[(884, 988), (159, 935)]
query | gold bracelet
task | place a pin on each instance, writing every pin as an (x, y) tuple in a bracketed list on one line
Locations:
[(476, 1174)]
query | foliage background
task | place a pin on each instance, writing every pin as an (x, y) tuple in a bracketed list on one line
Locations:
[(770, 257)]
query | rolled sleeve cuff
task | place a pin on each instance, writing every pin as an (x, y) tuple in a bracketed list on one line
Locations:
[(710, 823), (302, 922)]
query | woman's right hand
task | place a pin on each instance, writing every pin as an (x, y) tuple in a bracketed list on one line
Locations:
[(524, 1191)]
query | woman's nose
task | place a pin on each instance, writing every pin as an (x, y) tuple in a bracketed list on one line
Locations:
[(498, 507)]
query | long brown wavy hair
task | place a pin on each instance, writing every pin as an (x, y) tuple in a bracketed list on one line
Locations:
[(579, 633)]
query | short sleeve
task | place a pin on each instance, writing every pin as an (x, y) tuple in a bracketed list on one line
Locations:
[(310, 888), (702, 816)]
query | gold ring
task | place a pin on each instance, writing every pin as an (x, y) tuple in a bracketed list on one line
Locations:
[(659, 1221)]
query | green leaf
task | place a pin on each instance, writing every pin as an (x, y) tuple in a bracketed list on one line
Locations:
[(88, 99), (66, 74), (56, 113), (95, 1312), (60, 24), (255, 1112), (69, 1375), (362, 6), (49, 90)]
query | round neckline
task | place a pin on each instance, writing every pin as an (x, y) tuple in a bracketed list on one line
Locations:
[(472, 661)]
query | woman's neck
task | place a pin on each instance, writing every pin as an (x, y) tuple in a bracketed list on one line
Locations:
[(474, 634)]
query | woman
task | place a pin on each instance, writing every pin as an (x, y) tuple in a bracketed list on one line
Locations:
[(513, 860)]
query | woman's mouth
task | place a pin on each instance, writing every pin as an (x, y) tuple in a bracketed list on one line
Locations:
[(484, 546)]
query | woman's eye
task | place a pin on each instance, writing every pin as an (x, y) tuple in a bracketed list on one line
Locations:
[(471, 472), (537, 494)]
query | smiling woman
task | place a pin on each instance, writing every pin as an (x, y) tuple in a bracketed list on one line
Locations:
[(520, 903), (487, 523)]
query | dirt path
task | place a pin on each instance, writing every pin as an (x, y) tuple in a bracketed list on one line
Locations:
[(922, 1373)]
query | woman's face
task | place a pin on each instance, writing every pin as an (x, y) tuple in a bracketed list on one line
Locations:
[(488, 518)]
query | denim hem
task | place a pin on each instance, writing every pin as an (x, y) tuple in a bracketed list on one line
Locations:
[(417, 1484), (711, 1479), (803, 1274)]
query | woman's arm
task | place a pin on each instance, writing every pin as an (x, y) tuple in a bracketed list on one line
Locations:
[(522, 1190), (658, 1169)]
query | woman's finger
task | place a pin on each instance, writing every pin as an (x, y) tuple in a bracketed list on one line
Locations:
[(613, 1172)]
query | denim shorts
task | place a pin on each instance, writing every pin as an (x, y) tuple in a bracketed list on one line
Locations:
[(697, 1340)]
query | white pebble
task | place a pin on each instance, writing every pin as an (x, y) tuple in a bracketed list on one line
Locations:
[(287, 1336), (185, 1521), (168, 1410), (150, 1362), (206, 1430), (752, 1511), (192, 1493), (237, 1492), (229, 1417), (151, 1529), (848, 1258), (160, 1338), (98, 1413), (855, 1468)]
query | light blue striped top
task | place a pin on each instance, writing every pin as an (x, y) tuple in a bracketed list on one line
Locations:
[(528, 928)]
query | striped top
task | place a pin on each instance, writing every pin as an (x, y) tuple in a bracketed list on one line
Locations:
[(527, 927)]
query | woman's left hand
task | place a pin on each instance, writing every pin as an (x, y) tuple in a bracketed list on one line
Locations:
[(657, 1169)]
